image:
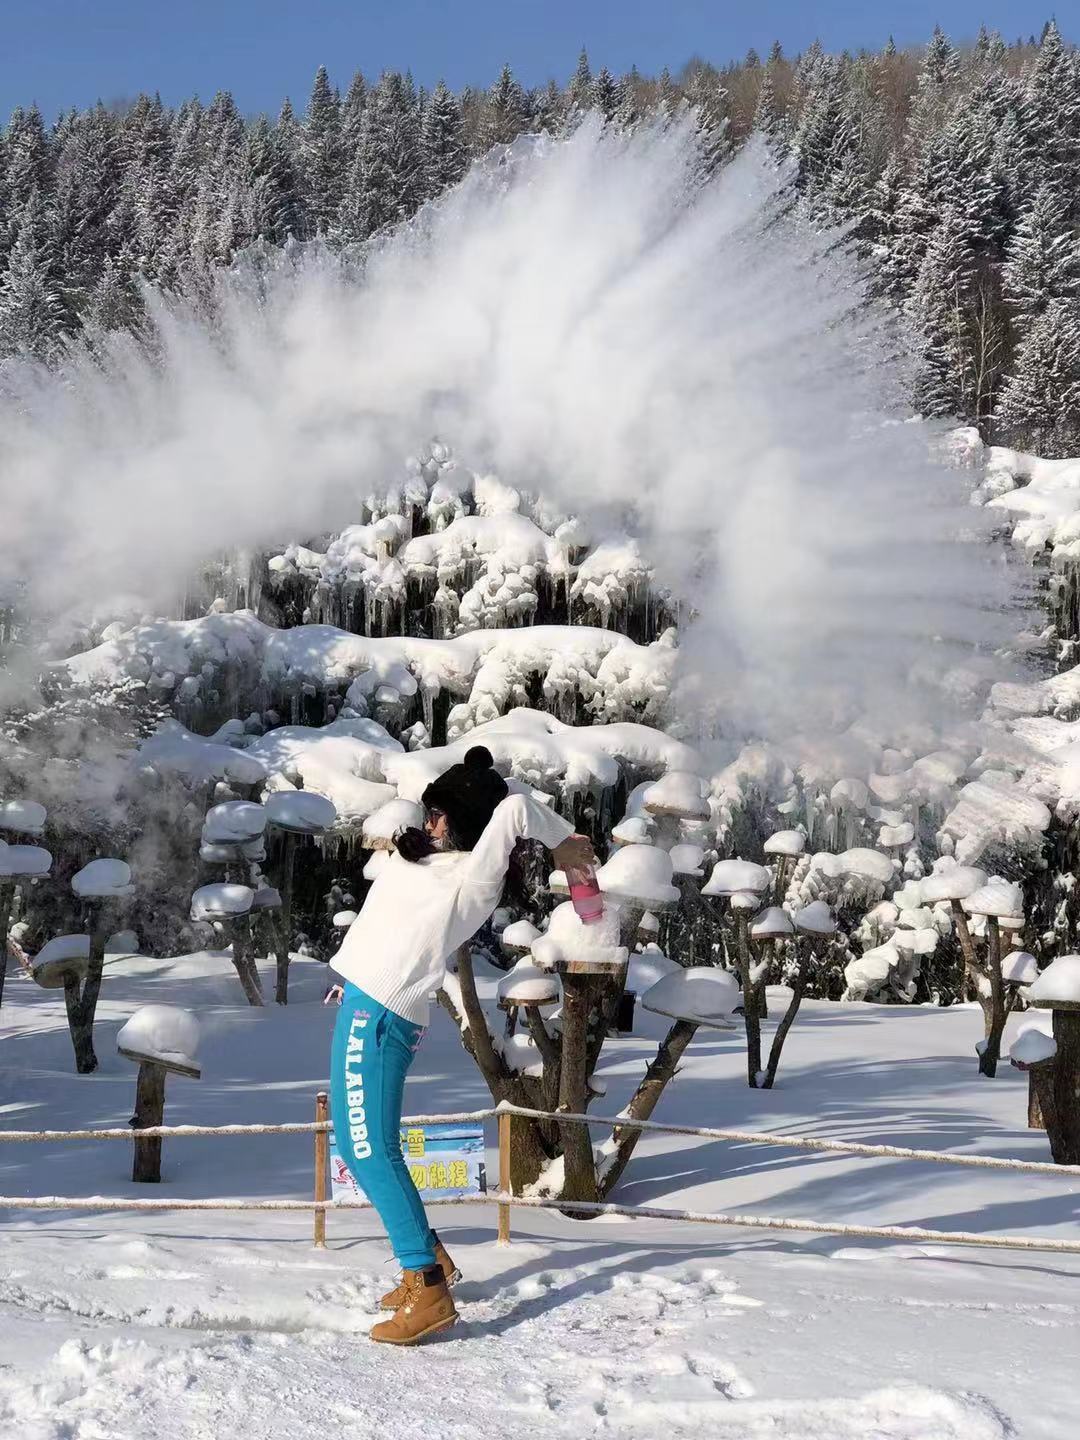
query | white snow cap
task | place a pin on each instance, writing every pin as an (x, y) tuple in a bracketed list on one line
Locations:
[(527, 984), (302, 811), (234, 823), (815, 919), (343, 919), (1032, 1046), (28, 862), (687, 859), (519, 936), (1059, 983), (703, 994), (1019, 968), (388, 821), (640, 874), (217, 902), (647, 967), (677, 793), (730, 876), (871, 969), (997, 897), (103, 880), (25, 817), (568, 941), (771, 923), (785, 842), (164, 1031), (951, 882), (895, 836), (632, 830), (62, 955)]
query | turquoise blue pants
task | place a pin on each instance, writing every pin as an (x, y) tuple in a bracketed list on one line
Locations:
[(370, 1055)]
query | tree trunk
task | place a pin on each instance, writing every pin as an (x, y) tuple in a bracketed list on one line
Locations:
[(798, 990), (7, 896), (968, 963), (283, 929), (243, 960), (580, 1168), (528, 1151), (81, 1039), (648, 1093), (998, 1012), (750, 1013), (1061, 1106), (1035, 1111), (149, 1111)]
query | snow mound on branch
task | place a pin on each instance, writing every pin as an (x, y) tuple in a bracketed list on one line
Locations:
[(301, 810), (103, 880), (519, 936), (703, 995), (730, 877), (174, 750), (1033, 1045), (785, 842), (217, 902), (59, 949), (1020, 968), (384, 824), (639, 874), (568, 941), (234, 822), (997, 897), (1058, 984), (25, 817), (677, 793), (161, 1030), (526, 984), (23, 861)]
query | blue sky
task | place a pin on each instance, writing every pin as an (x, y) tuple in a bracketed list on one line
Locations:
[(71, 52)]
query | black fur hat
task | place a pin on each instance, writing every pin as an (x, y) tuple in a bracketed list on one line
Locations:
[(467, 794)]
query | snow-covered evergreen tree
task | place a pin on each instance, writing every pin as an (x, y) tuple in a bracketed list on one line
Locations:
[(945, 380), (31, 306), (604, 95), (506, 115), (579, 91), (443, 140), (1043, 261), (323, 156), (387, 181), (1039, 406)]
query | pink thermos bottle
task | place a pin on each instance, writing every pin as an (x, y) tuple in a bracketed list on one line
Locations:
[(585, 893)]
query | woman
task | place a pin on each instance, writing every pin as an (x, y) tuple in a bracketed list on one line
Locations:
[(431, 897)]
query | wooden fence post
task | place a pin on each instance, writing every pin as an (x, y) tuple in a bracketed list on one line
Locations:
[(505, 1120), (322, 1156)]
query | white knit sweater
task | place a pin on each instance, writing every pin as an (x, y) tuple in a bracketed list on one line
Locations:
[(417, 914)]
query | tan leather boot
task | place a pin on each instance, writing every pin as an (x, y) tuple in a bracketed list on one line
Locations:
[(451, 1274), (428, 1308)]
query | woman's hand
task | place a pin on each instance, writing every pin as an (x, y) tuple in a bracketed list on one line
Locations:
[(574, 853), (334, 995)]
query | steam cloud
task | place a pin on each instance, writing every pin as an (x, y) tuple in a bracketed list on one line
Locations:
[(588, 318)]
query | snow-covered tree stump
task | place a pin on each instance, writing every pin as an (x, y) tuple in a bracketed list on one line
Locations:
[(296, 813), (995, 901), (19, 864), (18, 817), (1058, 989), (161, 1040), (99, 885), (230, 907), (743, 884)]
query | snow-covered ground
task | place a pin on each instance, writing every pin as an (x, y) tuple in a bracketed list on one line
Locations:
[(192, 1325)]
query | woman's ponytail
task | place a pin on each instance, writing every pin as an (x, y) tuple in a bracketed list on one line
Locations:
[(414, 844)]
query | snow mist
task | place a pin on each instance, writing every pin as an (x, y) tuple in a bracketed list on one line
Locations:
[(589, 318)]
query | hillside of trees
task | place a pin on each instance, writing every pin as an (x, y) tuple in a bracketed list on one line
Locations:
[(956, 170)]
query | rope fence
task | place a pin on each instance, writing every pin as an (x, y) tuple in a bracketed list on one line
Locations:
[(505, 1200)]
